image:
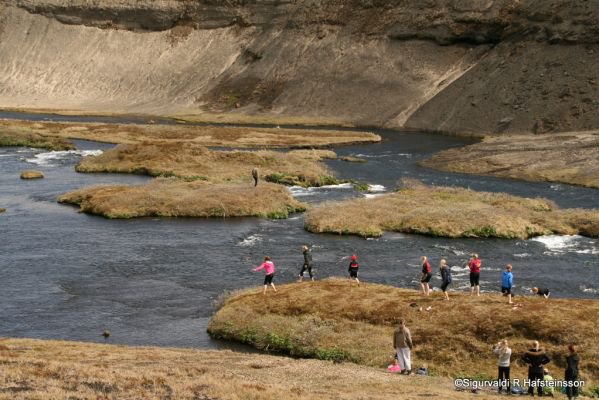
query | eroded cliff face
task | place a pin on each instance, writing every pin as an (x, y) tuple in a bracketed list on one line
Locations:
[(452, 65)]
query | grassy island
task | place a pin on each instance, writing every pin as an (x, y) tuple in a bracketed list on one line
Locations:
[(169, 197), (451, 212), (338, 320), (16, 135), (223, 136), (194, 162)]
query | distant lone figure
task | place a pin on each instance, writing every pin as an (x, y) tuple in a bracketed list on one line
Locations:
[(268, 267), (402, 342), (474, 265), (541, 292), (307, 263), (572, 361), (255, 176), (507, 280), (535, 357), (353, 268), (426, 276), (445, 277)]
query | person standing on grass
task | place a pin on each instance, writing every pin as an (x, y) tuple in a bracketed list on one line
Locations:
[(255, 176), (503, 364), (536, 358), (307, 263), (268, 267), (353, 268), (445, 277), (572, 362), (541, 292), (427, 273), (402, 342), (474, 265), (506, 282)]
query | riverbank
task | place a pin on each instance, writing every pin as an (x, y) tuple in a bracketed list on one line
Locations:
[(451, 212), (169, 197), (49, 369), (337, 319), (565, 157), (206, 135)]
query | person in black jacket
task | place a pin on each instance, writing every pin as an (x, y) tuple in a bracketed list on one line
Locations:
[(307, 263), (445, 277), (535, 358), (572, 361)]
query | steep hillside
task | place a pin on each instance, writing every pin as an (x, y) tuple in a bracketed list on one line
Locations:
[(453, 65)]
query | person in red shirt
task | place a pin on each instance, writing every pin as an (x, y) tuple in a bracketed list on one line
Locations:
[(474, 266), (427, 273), (353, 268)]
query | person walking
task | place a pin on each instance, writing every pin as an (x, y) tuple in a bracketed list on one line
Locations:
[(474, 265), (402, 342), (571, 373), (507, 280), (446, 278), (353, 268), (426, 276), (504, 353), (536, 358), (269, 267), (307, 263)]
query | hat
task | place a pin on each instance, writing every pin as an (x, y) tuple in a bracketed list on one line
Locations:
[(354, 257)]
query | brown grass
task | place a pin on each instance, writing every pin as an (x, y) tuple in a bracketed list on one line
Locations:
[(451, 212), (2, 210), (261, 119), (44, 370), (15, 135), (202, 135), (192, 161), (169, 197), (570, 158), (337, 318)]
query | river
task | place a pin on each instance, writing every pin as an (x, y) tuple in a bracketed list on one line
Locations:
[(152, 281)]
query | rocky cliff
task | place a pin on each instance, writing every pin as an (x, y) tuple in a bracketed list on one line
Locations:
[(451, 65)]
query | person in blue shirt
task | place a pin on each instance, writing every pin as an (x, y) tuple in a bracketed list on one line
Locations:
[(507, 280)]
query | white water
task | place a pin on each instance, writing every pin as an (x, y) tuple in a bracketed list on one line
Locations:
[(46, 159), (561, 244)]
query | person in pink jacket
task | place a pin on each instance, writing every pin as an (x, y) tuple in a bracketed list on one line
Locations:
[(268, 267)]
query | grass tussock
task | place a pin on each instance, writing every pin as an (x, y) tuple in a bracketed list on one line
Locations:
[(353, 159), (451, 212), (195, 162), (569, 158), (340, 320), (221, 136), (44, 370), (22, 136), (2, 210), (166, 197), (31, 174)]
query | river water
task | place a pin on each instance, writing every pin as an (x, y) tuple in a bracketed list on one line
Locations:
[(151, 281)]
